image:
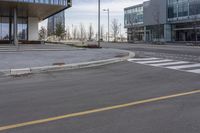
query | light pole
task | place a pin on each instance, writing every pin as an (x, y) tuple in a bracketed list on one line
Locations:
[(99, 21), (120, 31), (108, 10)]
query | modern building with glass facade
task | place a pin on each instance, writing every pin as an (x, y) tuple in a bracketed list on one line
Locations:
[(19, 18), (165, 20), (54, 20), (133, 21)]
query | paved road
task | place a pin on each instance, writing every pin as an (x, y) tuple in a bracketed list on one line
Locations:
[(57, 96), (189, 53)]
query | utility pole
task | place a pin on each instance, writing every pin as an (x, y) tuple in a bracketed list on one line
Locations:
[(108, 10), (120, 31), (99, 21)]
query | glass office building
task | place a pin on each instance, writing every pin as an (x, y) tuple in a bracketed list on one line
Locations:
[(184, 15), (133, 21), (133, 15), (19, 18), (54, 20), (179, 20), (182, 9)]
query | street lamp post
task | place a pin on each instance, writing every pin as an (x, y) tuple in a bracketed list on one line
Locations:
[(120, 31), (99, 21), (108, 10)]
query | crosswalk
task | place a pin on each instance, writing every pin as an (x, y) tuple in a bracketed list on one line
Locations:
[(168, 63)]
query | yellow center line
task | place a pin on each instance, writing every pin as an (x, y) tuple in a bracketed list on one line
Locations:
[(8, 127)]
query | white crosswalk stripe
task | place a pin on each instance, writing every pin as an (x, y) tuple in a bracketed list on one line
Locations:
[(184, 66), (195, 71), (155, 61), (141, 59), (168, 63)]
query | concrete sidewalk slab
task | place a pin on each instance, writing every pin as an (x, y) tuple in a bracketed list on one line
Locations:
[(37, 47), (25, 62)]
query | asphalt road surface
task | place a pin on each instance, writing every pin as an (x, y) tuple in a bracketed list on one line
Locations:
[(178, 52), (125, 97)]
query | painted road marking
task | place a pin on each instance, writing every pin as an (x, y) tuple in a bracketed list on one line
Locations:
[(171, 64), (184, 66), (194, 71), (135, 59), (41, 121), (156, 61)]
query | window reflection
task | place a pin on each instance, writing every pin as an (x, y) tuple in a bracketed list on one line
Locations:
[(22, 28), (133, 15), (183, 8), (4, 28)]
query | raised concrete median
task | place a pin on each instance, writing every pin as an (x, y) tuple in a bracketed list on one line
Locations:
[(28, 62)]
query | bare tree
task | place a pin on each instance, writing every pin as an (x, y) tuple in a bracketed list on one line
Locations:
[(96, 36), (67, 33), (82, 32), (74, 32), (90, 32), (102, 32), (60, 30), (78, 35), (115, 29), (42, 33)]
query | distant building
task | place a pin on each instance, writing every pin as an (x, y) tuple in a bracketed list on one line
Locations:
[(163, 20), (19, 18), (54, 20), (134, 22)]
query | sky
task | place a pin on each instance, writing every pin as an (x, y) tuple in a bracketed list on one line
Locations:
[(85, 12)]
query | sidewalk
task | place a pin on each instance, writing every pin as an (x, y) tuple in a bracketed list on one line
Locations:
[(43, 60), (36, 47)]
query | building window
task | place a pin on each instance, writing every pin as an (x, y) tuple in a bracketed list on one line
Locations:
[(183, 9), (172, 11), (194, 7), (4, 28), (133, 16), (22, 28)]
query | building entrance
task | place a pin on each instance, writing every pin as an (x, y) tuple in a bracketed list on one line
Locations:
[(187, 35)]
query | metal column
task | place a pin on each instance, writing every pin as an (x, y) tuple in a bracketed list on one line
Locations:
[(145, 34), (15, 27)]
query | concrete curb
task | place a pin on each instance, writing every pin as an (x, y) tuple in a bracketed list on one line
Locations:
[(32, 70)]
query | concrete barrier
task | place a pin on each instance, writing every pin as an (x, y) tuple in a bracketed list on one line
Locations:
[(20, 71)]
